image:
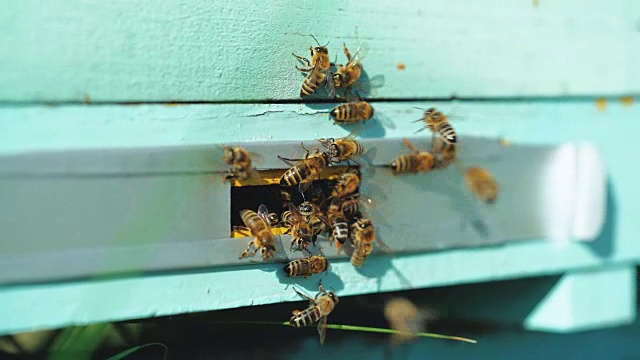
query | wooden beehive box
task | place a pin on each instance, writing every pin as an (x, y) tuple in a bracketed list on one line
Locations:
[(113, 115)]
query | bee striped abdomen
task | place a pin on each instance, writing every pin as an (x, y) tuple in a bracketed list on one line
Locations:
[(340, 231), (305, 317), (350, 208), (298, 268), (402, 163), (251, 219), (447, 133), (295, 175), (310, 85)]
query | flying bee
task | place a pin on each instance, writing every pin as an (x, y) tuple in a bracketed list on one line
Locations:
[(258, 226), (307, 266), (318, 70), (362, 237), (304, 171), (444, 153), (481, 184), (240, 161), (348, 74), (312, 213), (415, 162), (318, 310), (301, 233), (352, 112), (438, 123), (346, 184)]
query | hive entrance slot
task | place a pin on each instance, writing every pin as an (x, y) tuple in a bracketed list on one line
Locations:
[(267, 190)]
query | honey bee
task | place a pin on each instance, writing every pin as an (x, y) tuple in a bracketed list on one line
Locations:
[(350, 207), (343, 149), (404, 316), (300, 230), (307, 266), (481, 184), (318, 70), (338, 222), (313, 216), (241, 164), (318, 310), (444, 153), (417, 161), (305, 170), (362, 238), (438, 123), (257, 224), (352, 112), (348, 74), (347, 183)]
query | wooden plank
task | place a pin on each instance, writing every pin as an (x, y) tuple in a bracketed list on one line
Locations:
[(198, 50), (40, 129)]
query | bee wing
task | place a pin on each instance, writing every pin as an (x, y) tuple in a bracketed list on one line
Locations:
[(385, 120), (256, 158), (322, 329), (303, 187), (361, 53), (263, 212), (329, 85), (295, 212)]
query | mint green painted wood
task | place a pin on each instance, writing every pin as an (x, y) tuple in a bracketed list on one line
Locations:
[(219, 50), (28, 129)]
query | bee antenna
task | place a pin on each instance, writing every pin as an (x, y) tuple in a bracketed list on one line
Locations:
[(314, 38), (419, 108)]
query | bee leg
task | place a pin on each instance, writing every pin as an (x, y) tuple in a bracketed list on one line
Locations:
[(302, 59), (305, 149), (346, 52), (304, 70), (295, 312), (246, 252)]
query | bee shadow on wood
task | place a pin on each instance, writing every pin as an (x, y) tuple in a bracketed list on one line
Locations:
[(330, 280), (377, 265)]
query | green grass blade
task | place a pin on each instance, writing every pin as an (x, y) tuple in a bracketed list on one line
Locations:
[(122, 355), (359, 328)]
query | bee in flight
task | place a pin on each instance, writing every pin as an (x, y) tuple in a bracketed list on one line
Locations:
[(352, 112), (347, 75), (444, 153), (415, 162), (319, 308), (258, 226), (307, 266), (438, 123), (300, 230), (241, 164), (318, 70), (304, 171), (481, 184)]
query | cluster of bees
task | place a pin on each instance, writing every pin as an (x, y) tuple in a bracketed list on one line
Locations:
[(339, 215)]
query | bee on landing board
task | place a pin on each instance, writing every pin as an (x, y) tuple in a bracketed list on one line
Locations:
[(338, 222), (481, 183), (362, 237), (347, 183), (307, 266), (304, 171), (352, 112), (241, 164), (318, 70), (319, 308), (258, 226), (343, 149), (312, 214), (300, 230), (415, 162), (438, 123)]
